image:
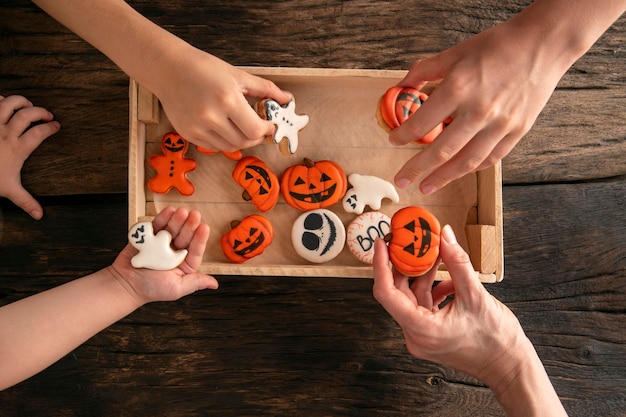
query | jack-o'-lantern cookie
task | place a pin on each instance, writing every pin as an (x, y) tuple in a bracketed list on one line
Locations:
[(368, 190), (398, 104), (413, 240), (247, 238), (318, 235), (363, 231), (312, 185), (287, 122), (172, 167), (260, 184)]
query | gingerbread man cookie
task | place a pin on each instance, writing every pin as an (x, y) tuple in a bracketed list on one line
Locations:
[(155, 251), (172, 167), (368, 190), (287, 122)]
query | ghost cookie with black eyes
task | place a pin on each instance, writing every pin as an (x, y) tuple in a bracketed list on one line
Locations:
[(287, 122), (368, 190), (155, 251), (318, 235)]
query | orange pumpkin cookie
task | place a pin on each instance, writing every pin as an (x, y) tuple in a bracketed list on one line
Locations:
[(413, 240), (312, 185), (247, 238), (287, 122), (235, 155), (260, 184), (172, 167), (398, 104)]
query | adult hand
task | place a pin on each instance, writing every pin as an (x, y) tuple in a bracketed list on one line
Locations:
[(144, 285), (18, 139), (494, 85)]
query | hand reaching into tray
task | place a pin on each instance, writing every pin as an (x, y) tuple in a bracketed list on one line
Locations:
[(18, 139), (203, 96), (38, 330), (494, 85), (473, 333)]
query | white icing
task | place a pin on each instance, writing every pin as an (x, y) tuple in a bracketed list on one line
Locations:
[(287, 122), (318, 235), (155, 251), (368, 190), (363, 231)]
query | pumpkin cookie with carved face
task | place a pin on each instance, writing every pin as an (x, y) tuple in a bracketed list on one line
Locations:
[(247, 238), (260, 184), (398, 104), (413, 240), (312, 185)]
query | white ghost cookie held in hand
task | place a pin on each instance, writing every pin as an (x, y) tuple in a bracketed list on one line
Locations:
[(368, 190), (155, 251), (287, 122)]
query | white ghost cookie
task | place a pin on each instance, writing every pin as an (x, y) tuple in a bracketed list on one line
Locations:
[(318, 235), (287, 122), (363, 231), (155, 251), (368, 190)]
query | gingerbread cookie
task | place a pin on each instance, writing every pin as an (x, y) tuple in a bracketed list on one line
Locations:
[(368, 190), (413, 240), (287, 122), (318, 235), (363, 231), (247, 238), (398, 104), (155, 251), (172, 167)]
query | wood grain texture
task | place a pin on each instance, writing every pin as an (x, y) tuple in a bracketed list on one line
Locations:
[(267, 346)]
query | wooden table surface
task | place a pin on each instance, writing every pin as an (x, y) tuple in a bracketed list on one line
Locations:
[(270, 346)]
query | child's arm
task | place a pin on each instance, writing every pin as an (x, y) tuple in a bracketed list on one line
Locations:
[(203, 96), (39, 330)]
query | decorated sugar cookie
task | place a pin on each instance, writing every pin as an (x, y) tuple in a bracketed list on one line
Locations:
[(234, 155), (363, 231), (413, 240), (312, 185), (318, 235), (398, 104), (260, 184), (368, 190), (247, 238), (172, 167), (287, 122), (155, 251)]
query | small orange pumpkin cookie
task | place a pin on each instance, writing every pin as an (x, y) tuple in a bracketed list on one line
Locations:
[(398, 104), (234, 155), (247, 238), (260, 184), (413, 240), (172, 167), (312, 185)]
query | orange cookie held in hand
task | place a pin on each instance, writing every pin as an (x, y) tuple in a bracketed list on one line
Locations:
[(413, 240), (398, 104), (172, 167), (260, 184), (247, 238), (312, 185)]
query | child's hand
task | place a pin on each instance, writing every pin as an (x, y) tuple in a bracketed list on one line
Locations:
[(147, 285), (18, 139), (206, 103)]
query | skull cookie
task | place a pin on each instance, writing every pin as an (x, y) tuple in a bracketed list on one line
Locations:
[(318, 235), (155, 251)]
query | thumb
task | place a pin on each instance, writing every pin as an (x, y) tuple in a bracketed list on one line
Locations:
[(430, 69), (24, 200), (464, 277)]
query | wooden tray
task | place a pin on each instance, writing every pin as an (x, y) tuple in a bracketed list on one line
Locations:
[(341, 105)]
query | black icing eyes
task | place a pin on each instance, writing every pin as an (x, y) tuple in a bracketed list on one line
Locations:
[(311, 241)]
